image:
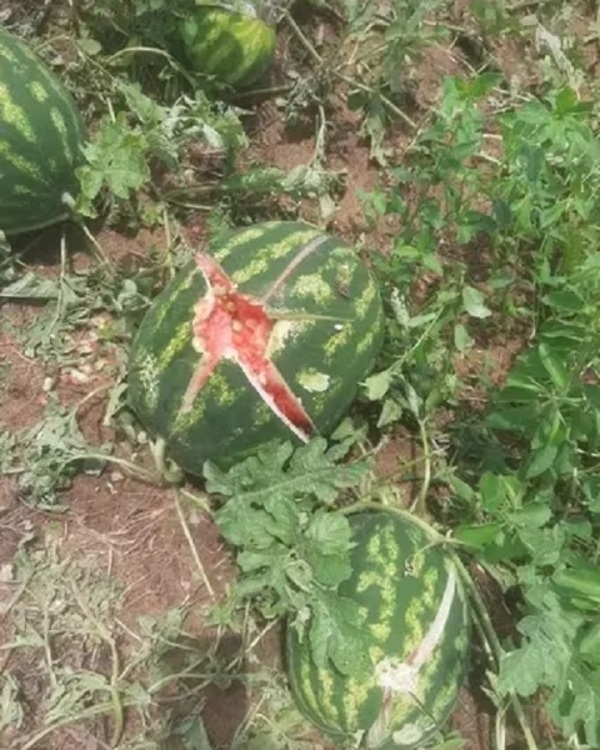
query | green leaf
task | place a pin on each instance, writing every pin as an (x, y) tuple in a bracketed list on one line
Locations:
[(336, 633), (577, 704), (391, 412), (116, 158), (566, 300), (327, 541), (300, 574), (554, 367), (193, 734), (545, 546), (546, 648), (477, 536), (513, 419), (462, 340), (378, 385), (473, 303), (592, 394), (541, 460), (462, 489), (532, 516), (30, 286), (582, 580), (502, 213), (590, 644), (292, 550), (492, 491), (268, 477)]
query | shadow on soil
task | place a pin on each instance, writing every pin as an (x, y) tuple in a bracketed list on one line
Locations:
[(209, 692)]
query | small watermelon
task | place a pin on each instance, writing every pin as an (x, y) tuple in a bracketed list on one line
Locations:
[(41, 139), (228, 42), (417, 617), (265, 338)]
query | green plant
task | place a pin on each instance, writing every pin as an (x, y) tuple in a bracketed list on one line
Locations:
[(488, 197), (292, 553), (539, 518), (528, 505), (120, 155)]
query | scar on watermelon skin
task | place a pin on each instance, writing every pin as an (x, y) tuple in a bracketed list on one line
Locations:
[(398, 679), (237, 327)]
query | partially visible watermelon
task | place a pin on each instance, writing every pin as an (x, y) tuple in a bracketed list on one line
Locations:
[(415, 612), (41, 139), (266, 338), (228, 42)]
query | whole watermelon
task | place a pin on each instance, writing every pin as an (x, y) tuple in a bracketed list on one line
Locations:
[(266, 337), (41, 138), (417, 618), (228, 42)]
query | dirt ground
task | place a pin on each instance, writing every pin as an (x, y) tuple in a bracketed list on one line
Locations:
[(133, 529)]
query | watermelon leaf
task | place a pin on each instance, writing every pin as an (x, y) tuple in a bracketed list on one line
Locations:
[(293, 551), (336, 632), (325, 546), (266, 480)]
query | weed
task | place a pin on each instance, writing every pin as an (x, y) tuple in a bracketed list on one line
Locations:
[(534, 522), (46, 456)]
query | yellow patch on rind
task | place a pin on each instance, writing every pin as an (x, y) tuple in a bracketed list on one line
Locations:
[(363, 302), (174, 292), (355, 695), (38, 91), (236, 241), (263, 257), (14, 115), (59, 123), (24, 166), (312, 286), (313, 381), (179, 340), (307, 689), (149, 378)]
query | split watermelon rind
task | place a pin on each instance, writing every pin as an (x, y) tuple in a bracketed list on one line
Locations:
[(324, 346)]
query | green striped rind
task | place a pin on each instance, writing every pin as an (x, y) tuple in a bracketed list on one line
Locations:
[(233, 47), (399, 577), (323, 361), (41, 135)]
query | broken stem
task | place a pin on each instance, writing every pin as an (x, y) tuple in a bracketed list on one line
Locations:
[(170, 474), (420, 500), (192, 546)]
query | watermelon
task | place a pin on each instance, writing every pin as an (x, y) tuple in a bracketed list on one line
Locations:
[(416, 614), (230, 43), (41, 138), (265, 338)]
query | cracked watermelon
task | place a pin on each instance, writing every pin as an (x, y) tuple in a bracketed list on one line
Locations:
[(266, 337), (41, 137), (416, 614), (229, 42)]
